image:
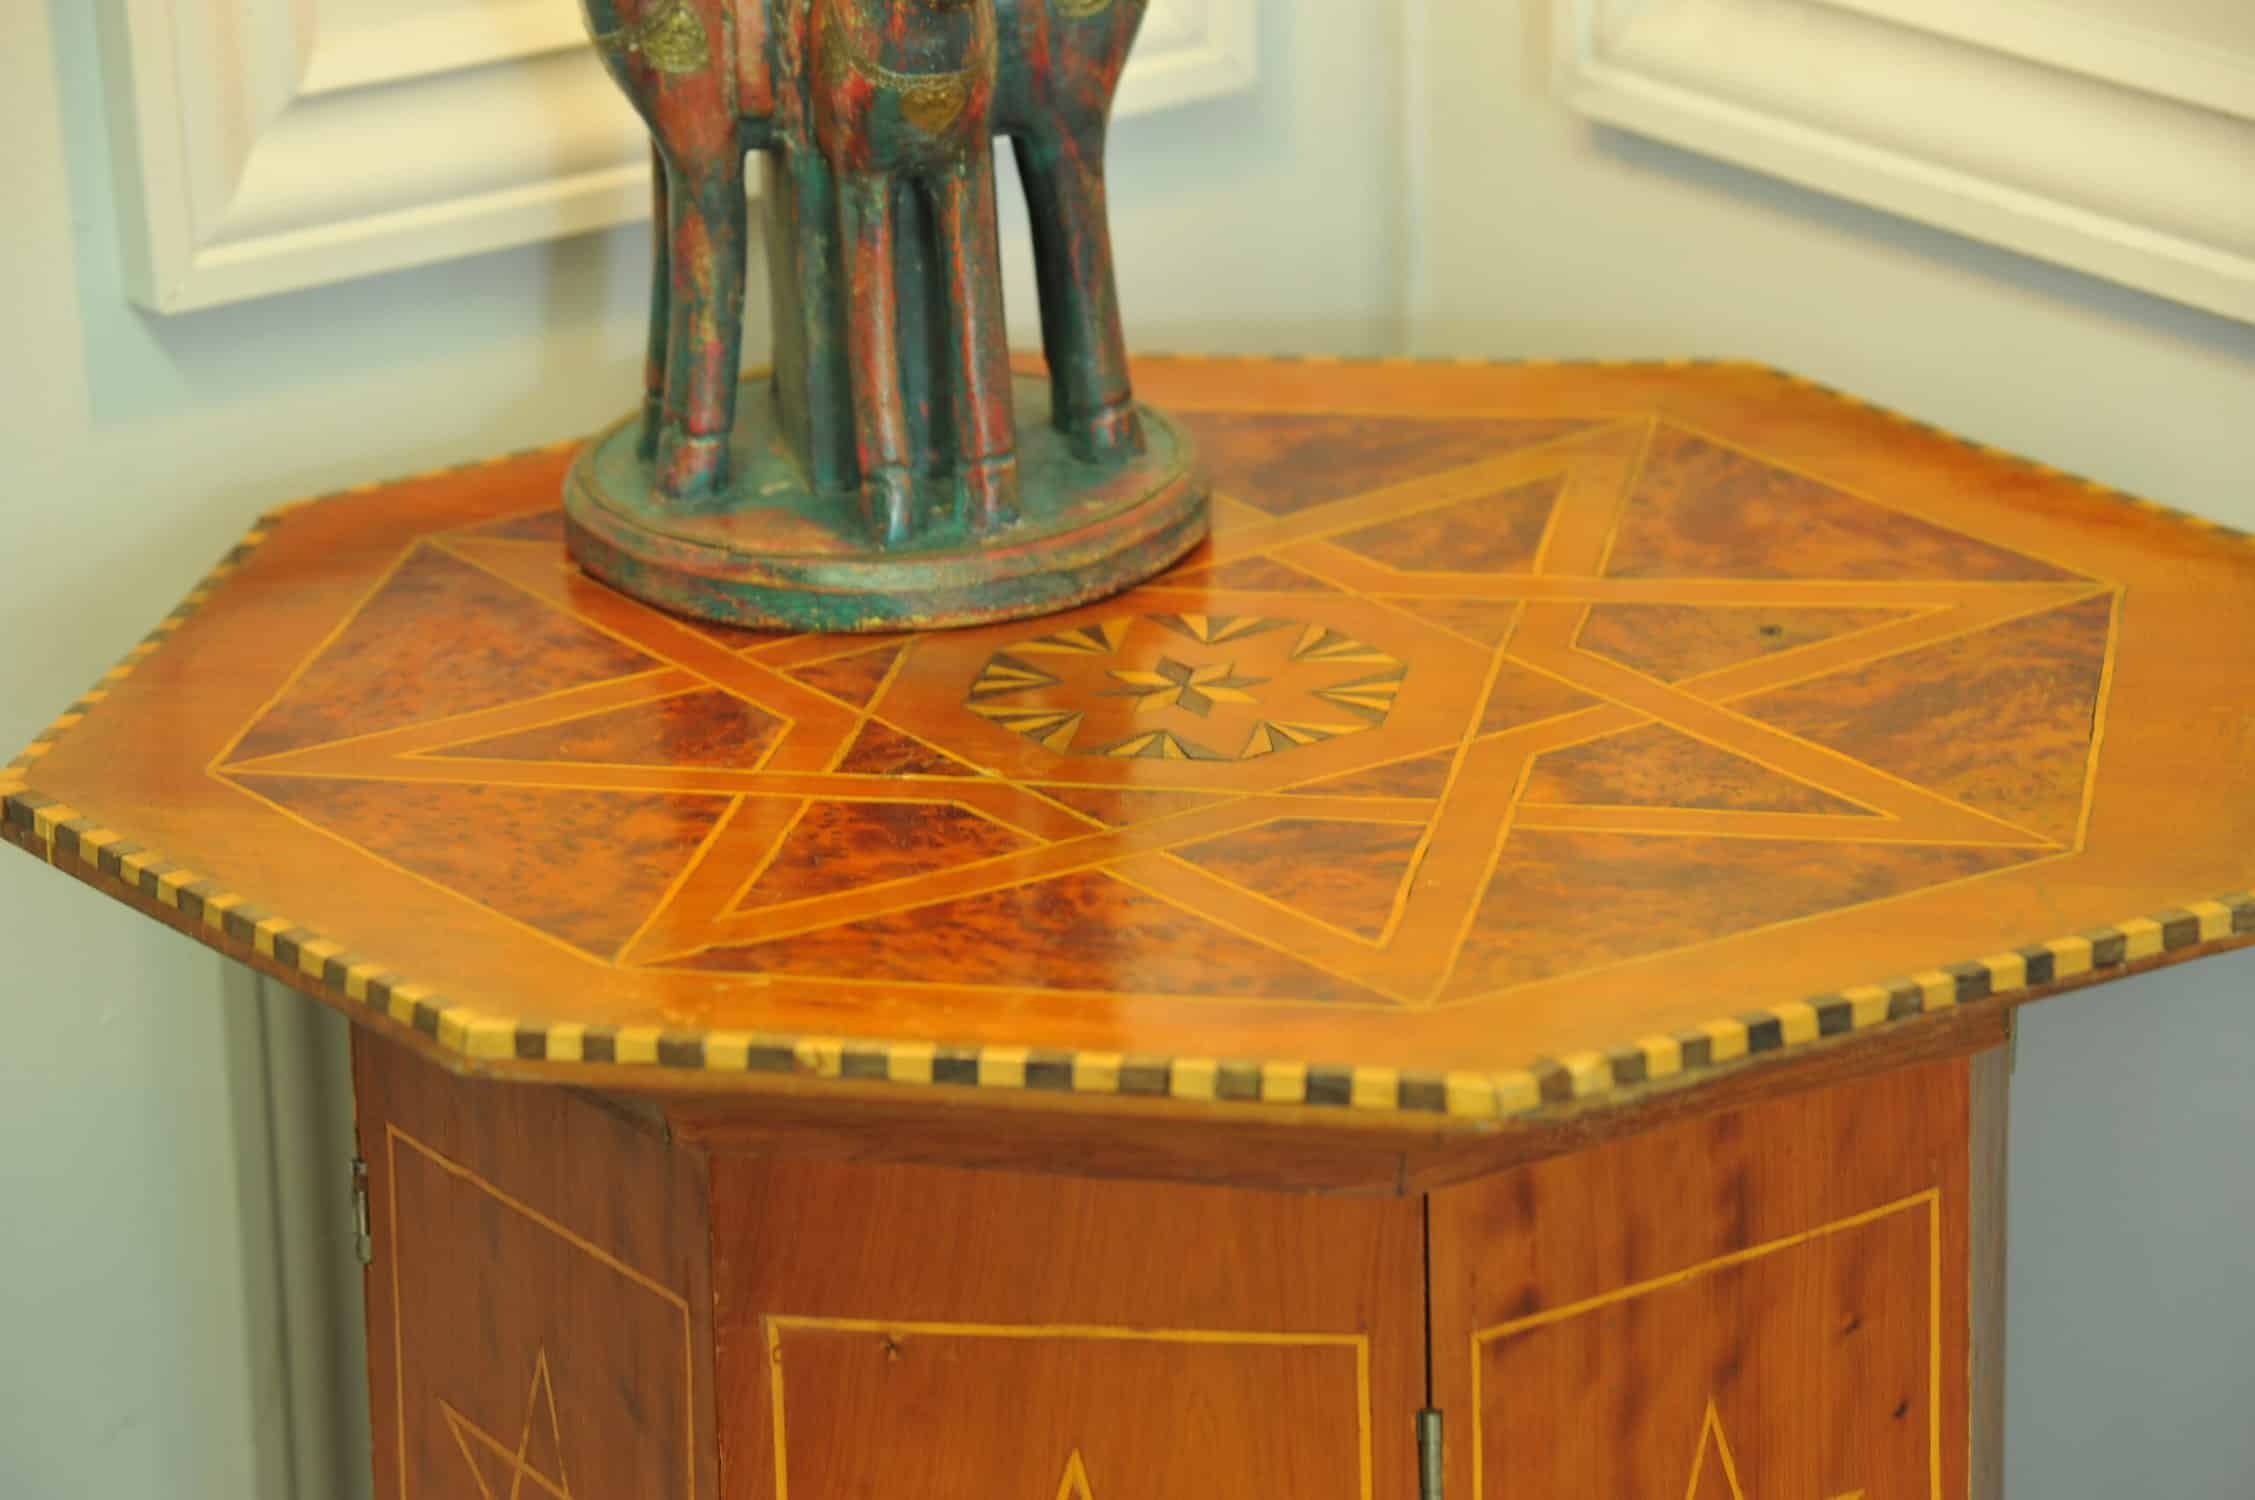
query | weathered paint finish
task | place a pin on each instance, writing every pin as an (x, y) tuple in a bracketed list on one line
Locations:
[(796, 561), (876, 121)]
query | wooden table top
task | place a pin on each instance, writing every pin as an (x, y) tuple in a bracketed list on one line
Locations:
[(1526, 734)]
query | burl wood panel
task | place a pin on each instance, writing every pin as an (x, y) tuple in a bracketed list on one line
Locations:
[(1517, 726), (539, 1319), (1767, 1304), (964, 1335)]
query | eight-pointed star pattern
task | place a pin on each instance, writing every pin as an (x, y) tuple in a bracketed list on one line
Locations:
[(1449, 705)]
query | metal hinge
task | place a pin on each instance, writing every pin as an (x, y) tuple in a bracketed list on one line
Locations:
[(1428, 1455), (363, 1242)]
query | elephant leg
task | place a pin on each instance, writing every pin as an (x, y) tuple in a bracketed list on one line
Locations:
[(1052, 267), (661, 316), (881, 441), (707, 226), (813, 392), (986, 437), (1093, 403)]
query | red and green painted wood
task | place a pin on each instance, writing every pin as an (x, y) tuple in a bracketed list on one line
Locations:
[(889, 471)]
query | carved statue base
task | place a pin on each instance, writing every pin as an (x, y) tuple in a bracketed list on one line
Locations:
[(773, 552)]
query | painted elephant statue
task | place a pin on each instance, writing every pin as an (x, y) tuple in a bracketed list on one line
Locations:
[(876, 120)]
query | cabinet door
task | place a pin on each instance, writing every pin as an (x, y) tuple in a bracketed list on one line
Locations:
[(537, 1320), (959, 1335), (1768, 1304)]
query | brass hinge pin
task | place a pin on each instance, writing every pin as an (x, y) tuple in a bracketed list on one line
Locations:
[(363, 1241), (1428, 1455)]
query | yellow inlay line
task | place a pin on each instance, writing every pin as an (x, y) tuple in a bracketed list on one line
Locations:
[(1929, 1197)]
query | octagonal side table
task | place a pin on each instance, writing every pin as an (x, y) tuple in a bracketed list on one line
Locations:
[(1492, 970)]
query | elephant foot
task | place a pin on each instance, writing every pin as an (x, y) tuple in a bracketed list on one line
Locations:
[(646, 436), (1106, 436), (691, 467), (989, 488), (888, 500)]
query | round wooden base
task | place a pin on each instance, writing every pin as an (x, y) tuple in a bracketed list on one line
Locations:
[(774, 554)]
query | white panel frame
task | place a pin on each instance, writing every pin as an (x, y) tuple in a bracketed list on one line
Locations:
[(262, 146), (2106, 145)]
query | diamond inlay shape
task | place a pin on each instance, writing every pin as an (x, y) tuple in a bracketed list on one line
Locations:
[(706, 728), (578, 866), (1085, 932), (1499, 533), (2001, 720), (1289, 462), (1345, 874), (1703, 509), (1661, 767), (439, 637), (1676, 641), (1561, 901), (845, 846), (855, 678)]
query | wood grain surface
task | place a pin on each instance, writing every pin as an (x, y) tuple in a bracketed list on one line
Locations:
[(539, 1314), (961, 1335), (1764, 1303), (1524, 736)]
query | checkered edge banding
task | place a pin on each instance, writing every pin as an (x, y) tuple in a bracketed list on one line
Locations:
[(227, 920), (322, 966)]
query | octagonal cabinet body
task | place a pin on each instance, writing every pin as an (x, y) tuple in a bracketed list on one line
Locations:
[(575, 1295), (1517, 925)]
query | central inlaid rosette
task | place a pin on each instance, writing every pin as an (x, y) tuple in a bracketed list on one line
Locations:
[(1187, 687)]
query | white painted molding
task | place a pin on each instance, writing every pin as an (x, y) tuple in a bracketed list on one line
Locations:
[(2108, 135), (267, 145), (1190, 50)]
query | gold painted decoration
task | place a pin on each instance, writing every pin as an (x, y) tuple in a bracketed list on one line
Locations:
[(929, 101), (932, 107), (670, 39), (674, 40)]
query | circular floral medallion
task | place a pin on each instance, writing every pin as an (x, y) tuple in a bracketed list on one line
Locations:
[(1187, 687)]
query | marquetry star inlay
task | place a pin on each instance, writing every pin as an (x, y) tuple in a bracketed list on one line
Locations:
[(487, 1454), (1074, 1486), (1415, 746), (1722, 1482)]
